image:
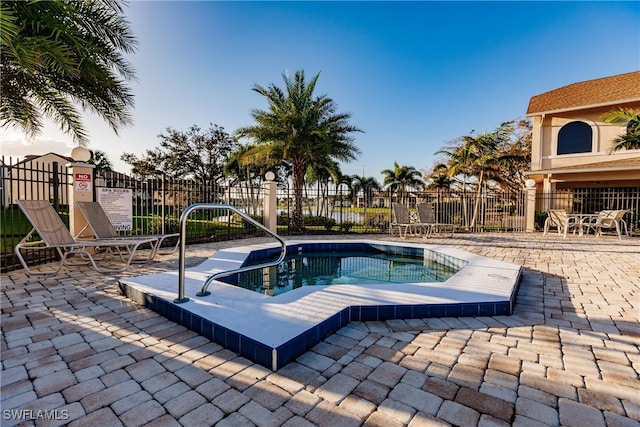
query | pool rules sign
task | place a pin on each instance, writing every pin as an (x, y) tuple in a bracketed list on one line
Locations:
[(117, 203)]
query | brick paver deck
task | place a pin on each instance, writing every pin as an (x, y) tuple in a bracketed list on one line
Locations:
[(75, 352)]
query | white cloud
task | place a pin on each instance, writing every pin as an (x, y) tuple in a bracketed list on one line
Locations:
[(15, 144)]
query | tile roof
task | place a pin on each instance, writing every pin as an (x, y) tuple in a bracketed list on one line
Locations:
[(607, 90)]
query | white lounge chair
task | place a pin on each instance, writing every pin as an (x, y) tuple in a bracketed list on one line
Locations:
[(54, 234), (558, 218), (402, 220), (610, 220), (100, 225), (427, 220)]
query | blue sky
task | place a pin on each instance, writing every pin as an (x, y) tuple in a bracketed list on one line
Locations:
[(414, 75)]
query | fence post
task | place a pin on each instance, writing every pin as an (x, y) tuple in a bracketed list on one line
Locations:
[(530, 206), (270, 202), (82, 187)]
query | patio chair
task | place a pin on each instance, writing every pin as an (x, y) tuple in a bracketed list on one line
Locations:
[(558, 218), (427, 220), (402, 220), (54, 235), (100, 225), (609, 220)]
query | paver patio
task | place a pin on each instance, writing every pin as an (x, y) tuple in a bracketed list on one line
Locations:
[(75, 352)]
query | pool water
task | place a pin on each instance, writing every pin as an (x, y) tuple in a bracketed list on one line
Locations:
[(340, 268)]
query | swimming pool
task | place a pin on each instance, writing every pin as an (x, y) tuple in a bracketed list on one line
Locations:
[(366, 265), (274, 330)]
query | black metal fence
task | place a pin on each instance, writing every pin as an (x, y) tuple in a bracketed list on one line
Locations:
[(41, 180), (592, 200), (157, 204)]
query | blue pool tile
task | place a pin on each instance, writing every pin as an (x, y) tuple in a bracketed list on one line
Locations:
[(404, 311), (298, 345), (354, 313), (174, 313), (503, 309), (420, 311), (470, 309), (487, 309), (454, 310), (311, 336), (345, 317), (233, 341), (162, 307), (386, 312), (207, 329), (325, 328), (263, 355), (196, 323), (292, 349), (220, 335), (368, 312), (247, 347), (437, 310)]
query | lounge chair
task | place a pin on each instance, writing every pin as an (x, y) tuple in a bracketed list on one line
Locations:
[(558, 218), (427, 220), (98, 222), (54, 235), (609, 220), (402, 220)]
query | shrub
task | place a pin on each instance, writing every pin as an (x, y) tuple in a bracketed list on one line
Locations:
[(329, 224), (346, 226), (171, 224)]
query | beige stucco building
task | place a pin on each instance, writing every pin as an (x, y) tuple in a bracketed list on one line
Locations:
[(32, 178), (572, 162), (571, 145)]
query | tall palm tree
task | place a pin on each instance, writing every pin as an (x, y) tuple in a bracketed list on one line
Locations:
[(321, 174), (300, 129), (367, 185), (402, 178), (630, 140), (483, 157), (59, 54), (245, 175)]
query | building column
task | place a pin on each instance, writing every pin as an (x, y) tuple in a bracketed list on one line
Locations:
[(81, 190), (530, 206), (269, 188)]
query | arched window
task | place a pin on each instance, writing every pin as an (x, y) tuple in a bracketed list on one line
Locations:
[(575, 137)]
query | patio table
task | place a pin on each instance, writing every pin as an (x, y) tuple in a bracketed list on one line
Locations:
[(583, 220)]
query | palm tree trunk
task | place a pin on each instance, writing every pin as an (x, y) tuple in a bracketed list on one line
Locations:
[(476, 207), (297, 221), (364, 212)]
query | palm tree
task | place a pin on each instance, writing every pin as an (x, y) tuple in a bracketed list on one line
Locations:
[(300, 129), (630, 140), (439, 180), (485, 157), (401, 178), (321, 174), (367, 185), (100, 159), (245, 174), (57, 54)]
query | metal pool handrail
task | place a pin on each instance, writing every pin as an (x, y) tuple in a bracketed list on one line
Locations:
[(183, 233)]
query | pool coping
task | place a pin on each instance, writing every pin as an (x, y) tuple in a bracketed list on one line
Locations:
[(273, 330)]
